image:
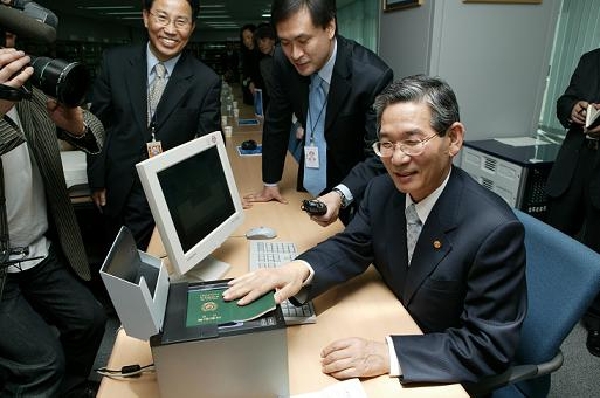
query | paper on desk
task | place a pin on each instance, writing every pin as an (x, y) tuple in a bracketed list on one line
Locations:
[(522, 141), (343, 389)]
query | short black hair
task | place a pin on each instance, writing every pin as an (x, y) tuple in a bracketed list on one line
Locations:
[(195, 4), (322, 12), (433, 91), (265, 30)]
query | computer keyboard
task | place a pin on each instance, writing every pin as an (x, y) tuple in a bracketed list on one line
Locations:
[(271, 254)]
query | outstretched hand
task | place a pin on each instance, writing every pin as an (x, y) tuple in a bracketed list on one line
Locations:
[(267, 194), (287, 280)]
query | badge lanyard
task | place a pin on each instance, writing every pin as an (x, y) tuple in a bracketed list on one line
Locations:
[(153, 147), (311, 151)]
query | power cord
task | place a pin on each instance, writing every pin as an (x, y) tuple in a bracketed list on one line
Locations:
[(127, 371)]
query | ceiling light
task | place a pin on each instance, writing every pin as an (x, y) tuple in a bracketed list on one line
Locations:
[(105, 7), (213, 16)]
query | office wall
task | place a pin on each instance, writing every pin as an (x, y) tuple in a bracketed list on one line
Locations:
[(495, 56), (405, 39), (83, 29)]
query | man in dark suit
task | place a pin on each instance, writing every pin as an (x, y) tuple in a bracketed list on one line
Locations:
[(42, 258), (573, 185), (461, 278), (121, 98), (352, 77)]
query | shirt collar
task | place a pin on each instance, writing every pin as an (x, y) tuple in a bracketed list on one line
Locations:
[(151, 62), (424, 207), (327, 70)]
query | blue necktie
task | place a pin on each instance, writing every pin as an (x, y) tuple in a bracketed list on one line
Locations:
[(315, 178)]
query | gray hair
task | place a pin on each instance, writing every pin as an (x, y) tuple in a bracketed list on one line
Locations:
[(433, 91)]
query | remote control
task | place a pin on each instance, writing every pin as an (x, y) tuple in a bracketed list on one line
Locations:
[(315, 207)]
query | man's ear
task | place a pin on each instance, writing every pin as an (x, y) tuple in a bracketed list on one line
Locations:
[(331, 28), (456, 134)]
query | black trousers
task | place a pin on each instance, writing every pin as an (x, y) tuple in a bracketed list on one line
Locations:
[(34, 360), (135, 215), (573, 213)]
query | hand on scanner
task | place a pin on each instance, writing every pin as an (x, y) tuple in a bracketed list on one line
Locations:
[(355, 357), (286, 280), (268, 193)]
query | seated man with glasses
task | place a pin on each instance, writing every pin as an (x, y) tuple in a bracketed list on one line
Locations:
[(150, 98), (451, 251)]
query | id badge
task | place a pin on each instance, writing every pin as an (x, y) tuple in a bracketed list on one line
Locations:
[(154, 148), (311, 156)]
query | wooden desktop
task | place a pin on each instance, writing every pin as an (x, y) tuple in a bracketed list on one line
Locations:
[(363, 307)]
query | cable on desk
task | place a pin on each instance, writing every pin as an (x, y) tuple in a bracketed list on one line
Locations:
[(127, 371)]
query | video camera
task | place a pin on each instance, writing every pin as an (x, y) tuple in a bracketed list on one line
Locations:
[(65, 81)]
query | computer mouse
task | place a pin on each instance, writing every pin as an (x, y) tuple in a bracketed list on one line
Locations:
[(249, 145), (261, 233)]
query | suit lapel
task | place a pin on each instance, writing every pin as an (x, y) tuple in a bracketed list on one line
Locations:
[(137, 87), (397, 253), (177, 87), (434, 243), (340, 84)]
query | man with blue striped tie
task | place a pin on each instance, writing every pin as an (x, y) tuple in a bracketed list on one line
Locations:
[(329, 82)]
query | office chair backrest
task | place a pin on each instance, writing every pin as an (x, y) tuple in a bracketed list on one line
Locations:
[(563, 277)]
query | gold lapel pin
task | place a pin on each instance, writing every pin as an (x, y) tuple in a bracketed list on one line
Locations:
[(437, 244)]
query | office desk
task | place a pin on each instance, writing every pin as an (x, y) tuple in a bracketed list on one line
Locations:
[(363, 307)]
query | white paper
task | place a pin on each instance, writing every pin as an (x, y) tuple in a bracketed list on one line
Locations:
[(522, 141), (344, 389)]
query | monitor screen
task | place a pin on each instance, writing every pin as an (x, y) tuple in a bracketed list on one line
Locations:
[(194, 201)]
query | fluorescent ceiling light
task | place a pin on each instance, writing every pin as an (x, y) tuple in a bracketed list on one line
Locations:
[(220, 16), (132, 18), (122, 13), (266, 15), (106, 7), (212, 6)]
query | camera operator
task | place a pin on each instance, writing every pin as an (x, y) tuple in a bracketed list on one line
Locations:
[(46, 260)]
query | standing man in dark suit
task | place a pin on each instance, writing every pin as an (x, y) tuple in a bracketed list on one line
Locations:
[(123, 99), (451, 251), (338, 132), (574, 182), (42, 258)]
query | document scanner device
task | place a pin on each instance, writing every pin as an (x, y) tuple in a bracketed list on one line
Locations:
[(233, 360)]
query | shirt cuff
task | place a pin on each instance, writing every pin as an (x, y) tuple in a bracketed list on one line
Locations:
[(269, 185), (395, 370), (302, 296), (346, 191)]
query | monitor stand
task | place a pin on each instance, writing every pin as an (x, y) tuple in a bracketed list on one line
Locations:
[(209, 269)]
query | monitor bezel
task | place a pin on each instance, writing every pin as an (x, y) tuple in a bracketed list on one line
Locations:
[(148, 170)]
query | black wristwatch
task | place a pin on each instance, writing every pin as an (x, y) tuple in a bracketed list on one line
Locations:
[(345, 201)]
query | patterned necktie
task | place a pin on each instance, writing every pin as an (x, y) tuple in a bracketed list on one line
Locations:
[(315, 178), (413, 230), (156, 88)]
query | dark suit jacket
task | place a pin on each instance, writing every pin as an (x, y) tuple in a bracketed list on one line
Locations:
[(358, 76), (584, 86), (468, 296), (40, 133), (190, 106)]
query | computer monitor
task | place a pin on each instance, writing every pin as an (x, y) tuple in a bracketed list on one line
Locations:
[(195, 203)]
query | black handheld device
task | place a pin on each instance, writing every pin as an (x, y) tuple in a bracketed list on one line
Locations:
[(315, 207)]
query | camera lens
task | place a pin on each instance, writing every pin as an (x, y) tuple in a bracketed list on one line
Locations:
[(65, 81)]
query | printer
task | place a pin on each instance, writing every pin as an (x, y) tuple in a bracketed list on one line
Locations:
[(230, 360)]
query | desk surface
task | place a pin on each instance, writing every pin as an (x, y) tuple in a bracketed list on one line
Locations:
[(363, 307)]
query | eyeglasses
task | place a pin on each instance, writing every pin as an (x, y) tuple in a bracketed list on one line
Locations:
[(164, 20), (411, 147)]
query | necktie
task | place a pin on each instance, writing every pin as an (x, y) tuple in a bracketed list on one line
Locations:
[(156, 89), (315, 177), (413, 230)]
